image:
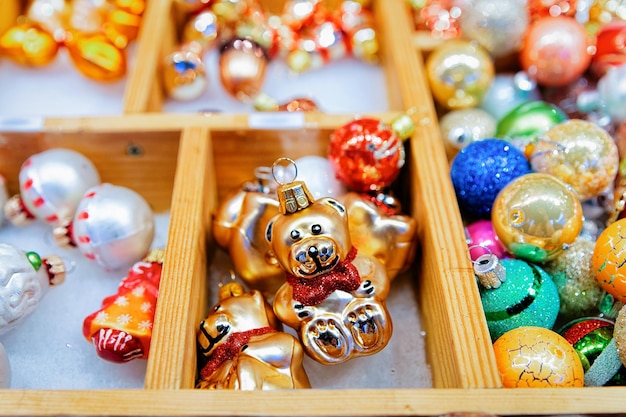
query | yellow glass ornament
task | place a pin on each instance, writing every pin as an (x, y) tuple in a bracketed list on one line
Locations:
[(96, 57), (28, 44), (535, 216), (131, 6), (459, 73)]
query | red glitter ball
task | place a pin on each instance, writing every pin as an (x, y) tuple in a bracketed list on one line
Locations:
[(366, 154), (583, 328)]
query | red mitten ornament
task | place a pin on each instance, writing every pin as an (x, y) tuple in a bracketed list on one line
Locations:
[(122, 329)]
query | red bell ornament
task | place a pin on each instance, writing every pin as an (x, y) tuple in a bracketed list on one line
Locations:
[(367, 154)]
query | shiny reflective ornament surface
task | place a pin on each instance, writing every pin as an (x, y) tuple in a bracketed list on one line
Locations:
[(527, 297), (608, 259), (534, 357), (580, 154), (459, 73), (121, 330), (439, 17), (239, 228), (367, 154), (378, 228), (50, 15), (358, 25), (201, 28), (527, 121), (612, 91), (461, 127), (480, 236), (592, 338), (184, 74), (610, 47), (28, 44), (242, 65), (544, 8), (498, 26), (52, 184), (95, 56), (556, 50), (575, 279), (481, 170), (316, 46), (25, 278), (536, 216), (241, 346), (121, 27), (603, 12), (334, 295), (264, 102), (508, 91), (113, 226)]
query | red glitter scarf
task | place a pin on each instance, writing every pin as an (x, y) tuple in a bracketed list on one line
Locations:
[(230, 348), (312, 291)]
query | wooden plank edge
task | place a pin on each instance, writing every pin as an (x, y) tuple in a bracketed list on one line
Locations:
[(171, 364), (363, 403)]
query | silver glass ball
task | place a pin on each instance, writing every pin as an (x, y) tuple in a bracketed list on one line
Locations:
[(114, 226), (53, 182)]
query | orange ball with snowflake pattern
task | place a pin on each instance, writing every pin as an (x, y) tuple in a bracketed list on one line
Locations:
[(609, 259), (536, 357)]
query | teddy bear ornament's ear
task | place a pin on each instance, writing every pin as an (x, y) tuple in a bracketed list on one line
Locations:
[(292, 196)]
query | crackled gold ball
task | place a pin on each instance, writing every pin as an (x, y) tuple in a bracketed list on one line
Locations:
[(459, 73), (535, 357), (535, 216), (608, 259), (581, 154)]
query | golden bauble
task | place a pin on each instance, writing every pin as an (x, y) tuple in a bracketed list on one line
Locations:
[(28, 44), (96, 57)]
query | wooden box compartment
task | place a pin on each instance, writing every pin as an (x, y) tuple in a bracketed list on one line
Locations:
[(186, 163)]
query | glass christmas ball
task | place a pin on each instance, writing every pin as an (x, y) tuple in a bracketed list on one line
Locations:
[(461, 127), (529, 120), (536, 216), (29, 44), (459, 72), (497, 25), (575, 279), (480, 233), (480, 170), (53, 182), (612, 92), (591, 338), (508, 91), (95, 56), (610, 47), (113, 226), (608, 259), (555, 50), (533, 357), (543, 8), (527, 297), (183, 73), (242, 66), (580, 154), (366, 154)]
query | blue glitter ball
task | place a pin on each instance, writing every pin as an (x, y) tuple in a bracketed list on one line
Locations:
[(483, 168), (527, 297)]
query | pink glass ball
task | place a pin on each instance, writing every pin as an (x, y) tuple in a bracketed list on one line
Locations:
[(555, 51), (481, 233)]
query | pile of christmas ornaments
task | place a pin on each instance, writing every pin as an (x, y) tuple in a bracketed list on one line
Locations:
[(305, 34), (111, 226), (315, 244), (532, 99), (95, 34)]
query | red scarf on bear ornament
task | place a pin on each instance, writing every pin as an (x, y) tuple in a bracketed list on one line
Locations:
[(312, 291)]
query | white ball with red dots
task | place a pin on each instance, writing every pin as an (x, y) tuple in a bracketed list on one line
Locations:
[(113, 226), (52, 183)]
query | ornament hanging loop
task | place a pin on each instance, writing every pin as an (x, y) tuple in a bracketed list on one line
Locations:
[(278, 163), (488, 269)]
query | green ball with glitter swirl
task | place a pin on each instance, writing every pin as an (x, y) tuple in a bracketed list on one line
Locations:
[(526, 297)]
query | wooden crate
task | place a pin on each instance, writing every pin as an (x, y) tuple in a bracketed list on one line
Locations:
[(186, 163)]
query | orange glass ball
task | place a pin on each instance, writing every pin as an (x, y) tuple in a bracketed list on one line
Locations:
[(96, 57), (608, 259), (536, 357), (29, 44), (556, 51), (121, 27)]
